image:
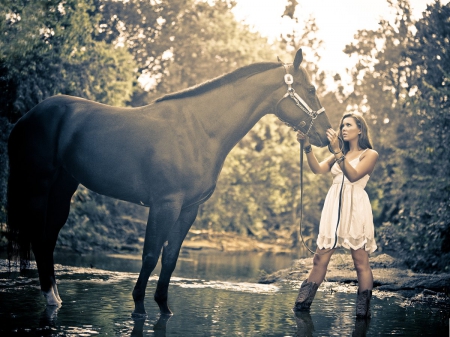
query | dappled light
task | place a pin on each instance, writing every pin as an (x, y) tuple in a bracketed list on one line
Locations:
[(128, 55)]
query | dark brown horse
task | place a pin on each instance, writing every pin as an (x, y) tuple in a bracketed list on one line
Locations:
[(166, 155)]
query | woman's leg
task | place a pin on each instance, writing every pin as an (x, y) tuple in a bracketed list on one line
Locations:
[(320, 265), (365, 282), (363, 270), (309, 287)]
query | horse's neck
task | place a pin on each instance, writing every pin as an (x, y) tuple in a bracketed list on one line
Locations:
[(231, 111)]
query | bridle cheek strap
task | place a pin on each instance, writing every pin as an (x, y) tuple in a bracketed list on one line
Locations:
[(299, 102)]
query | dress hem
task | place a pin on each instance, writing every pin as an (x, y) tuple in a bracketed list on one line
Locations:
[(345, 243)]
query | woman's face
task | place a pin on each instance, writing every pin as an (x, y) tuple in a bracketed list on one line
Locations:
[(350, 129)]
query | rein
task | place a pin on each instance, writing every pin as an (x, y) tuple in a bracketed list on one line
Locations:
[(301, 207), (301, 104)]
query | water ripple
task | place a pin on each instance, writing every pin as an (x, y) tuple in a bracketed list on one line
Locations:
[(223, 285)]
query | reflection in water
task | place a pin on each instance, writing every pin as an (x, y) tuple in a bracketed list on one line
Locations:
[(48, 316), (361, 327), (159, 328), (138, 328), (99, 302), (305, 325), (161, 325)]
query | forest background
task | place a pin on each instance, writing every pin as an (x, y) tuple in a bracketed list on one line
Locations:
[(127, 53)]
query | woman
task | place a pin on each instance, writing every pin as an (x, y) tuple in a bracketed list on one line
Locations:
[(346, 219)]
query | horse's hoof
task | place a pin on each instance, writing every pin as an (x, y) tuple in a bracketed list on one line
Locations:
[(51, 299), (164, 310), (137, 315)]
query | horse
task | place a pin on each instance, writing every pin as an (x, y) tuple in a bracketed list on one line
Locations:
[(166, 156)]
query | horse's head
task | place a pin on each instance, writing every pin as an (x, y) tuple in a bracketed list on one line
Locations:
[(300, 107)]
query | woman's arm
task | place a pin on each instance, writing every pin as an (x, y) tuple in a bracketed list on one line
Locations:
[(316, 167), (366, 163), (365, 166)]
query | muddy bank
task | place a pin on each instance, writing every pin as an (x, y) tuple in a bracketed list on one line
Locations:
[(390, 275), (232, 242)]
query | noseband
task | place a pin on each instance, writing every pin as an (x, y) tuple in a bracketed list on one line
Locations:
[(299, 102)]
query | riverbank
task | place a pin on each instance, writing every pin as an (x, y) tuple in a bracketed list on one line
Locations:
[(390, 275), (232, 242)]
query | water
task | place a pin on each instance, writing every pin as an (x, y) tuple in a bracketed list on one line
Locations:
[(211, 294)]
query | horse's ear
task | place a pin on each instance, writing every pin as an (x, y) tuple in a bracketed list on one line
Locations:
[(279, 60), (298, 58)]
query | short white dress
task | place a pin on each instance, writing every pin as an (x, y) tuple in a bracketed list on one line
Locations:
[(355, 229)]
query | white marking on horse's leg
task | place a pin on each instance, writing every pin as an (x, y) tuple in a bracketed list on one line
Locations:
[(51, 298), (55, 290)]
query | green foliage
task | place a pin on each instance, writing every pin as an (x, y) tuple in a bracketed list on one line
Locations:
[(425, 201), (259, 187), (178, 44), (258, 190), (47, 48), (401, 81), (97, 223)]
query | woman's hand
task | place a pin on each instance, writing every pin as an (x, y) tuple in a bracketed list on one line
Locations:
[(334, 141), (302, 137)]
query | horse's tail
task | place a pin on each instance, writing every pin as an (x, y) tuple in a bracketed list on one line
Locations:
[(19, 238)]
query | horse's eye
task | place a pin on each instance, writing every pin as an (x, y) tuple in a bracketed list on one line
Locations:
[(312, 89)]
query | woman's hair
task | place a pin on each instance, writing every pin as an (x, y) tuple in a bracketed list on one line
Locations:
[(364, 140)]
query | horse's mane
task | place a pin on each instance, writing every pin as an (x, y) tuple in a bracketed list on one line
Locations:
[(221, 80)]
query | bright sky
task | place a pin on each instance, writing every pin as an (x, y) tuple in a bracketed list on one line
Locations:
[(337, 20)]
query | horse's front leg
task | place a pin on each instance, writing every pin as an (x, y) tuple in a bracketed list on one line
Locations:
[(170, 256), (161, 219)]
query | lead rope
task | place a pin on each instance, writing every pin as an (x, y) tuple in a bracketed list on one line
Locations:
[(301, 207)]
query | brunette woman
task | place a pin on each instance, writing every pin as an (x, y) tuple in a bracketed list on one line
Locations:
[(346, 219)]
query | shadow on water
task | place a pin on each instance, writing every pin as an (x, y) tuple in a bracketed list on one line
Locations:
[(99, 302)]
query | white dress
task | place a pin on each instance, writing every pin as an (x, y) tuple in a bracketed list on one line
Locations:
[(355, 228)]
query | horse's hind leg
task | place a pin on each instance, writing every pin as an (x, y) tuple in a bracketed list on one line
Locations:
[(58, 206), (170, 256)]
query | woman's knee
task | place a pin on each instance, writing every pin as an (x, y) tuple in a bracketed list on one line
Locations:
[(321, 261), (361, 260)]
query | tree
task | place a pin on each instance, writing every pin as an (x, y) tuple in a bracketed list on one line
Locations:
[(261, 175), (401, 85), (424, 201), (381, 81), (47, 48), (178, 44)]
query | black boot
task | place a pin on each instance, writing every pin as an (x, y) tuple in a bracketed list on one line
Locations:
[(305, 296), (363, 303)]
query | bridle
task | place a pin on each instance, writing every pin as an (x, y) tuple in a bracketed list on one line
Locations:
[(299, 102)]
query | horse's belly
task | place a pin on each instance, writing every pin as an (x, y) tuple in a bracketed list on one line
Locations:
[(130, 178), (127, 188)]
